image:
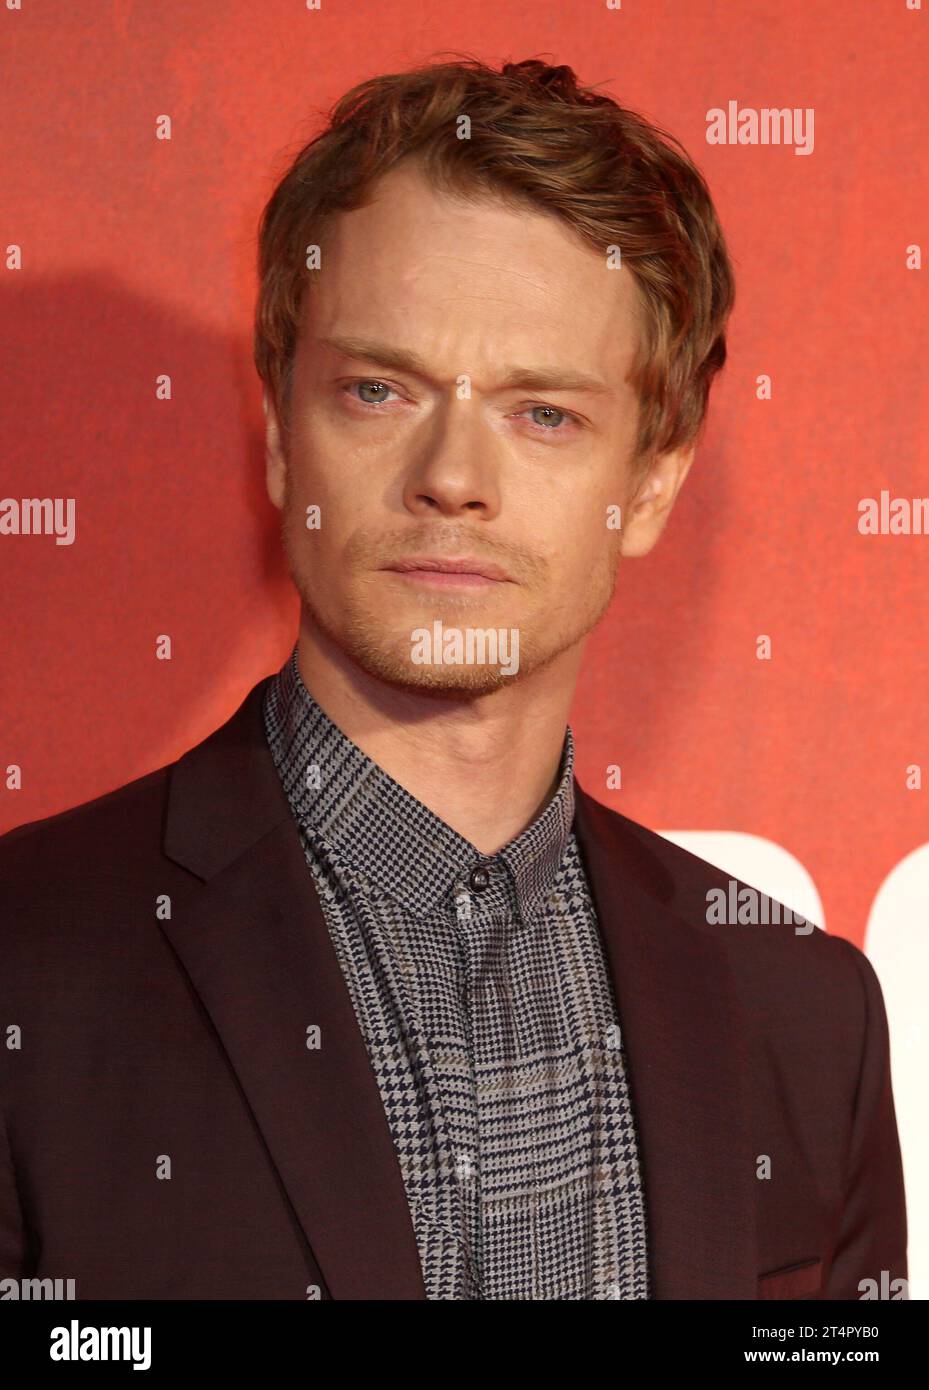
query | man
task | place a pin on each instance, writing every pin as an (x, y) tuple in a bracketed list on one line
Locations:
[(364, 996)]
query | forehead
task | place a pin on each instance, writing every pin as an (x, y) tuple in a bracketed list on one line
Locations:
[(474, 278)]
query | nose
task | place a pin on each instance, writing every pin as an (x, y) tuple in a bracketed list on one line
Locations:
[(454, 467)]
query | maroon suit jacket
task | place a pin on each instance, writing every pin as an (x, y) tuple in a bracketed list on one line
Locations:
[(146, 1038)]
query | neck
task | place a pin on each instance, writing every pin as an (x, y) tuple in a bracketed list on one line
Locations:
[(486, 765)]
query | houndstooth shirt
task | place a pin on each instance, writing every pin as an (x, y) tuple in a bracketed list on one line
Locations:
[(480, 987)]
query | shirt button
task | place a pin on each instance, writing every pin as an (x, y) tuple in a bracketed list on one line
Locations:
[(479, 878)]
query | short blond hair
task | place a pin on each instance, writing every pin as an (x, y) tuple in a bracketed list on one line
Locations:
[(538, 138)]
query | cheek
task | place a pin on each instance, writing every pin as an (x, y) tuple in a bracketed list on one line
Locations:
[(328, 472), (587, 537), (325, 522), (312, 482)]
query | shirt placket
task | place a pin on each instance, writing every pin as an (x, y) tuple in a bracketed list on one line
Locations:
[(486, 913)]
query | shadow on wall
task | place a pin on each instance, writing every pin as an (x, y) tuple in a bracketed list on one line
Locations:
[(173, 533)]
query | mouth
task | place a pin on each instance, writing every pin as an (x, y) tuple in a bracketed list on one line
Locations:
[(466, 572)]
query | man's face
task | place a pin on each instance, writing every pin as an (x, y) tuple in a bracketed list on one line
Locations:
[(450, 456)]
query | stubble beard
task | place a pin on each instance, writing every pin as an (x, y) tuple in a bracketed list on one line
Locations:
[(364, 638)]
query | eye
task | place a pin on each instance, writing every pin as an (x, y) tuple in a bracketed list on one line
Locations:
[(368, 384), (551, 420)]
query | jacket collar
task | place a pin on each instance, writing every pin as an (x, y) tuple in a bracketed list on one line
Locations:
[(249, 931)]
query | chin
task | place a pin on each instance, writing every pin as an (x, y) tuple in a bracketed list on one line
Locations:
[(392, 664), (467, 682)]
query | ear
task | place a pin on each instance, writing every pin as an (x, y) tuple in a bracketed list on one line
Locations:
[(653, 497), (275, 457)]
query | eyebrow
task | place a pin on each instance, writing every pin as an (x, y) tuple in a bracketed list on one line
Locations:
[(525, 378)]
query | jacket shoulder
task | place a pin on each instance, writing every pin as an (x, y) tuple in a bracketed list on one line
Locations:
[(763, 939), (117, 827), (75, 839)]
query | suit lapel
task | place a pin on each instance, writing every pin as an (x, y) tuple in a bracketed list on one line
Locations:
[(685, 1044), (250, 934)]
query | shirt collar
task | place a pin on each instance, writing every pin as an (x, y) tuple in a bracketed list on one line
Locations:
[(383, 832)]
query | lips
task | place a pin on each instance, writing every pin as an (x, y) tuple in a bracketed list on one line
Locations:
[(467, 564)]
